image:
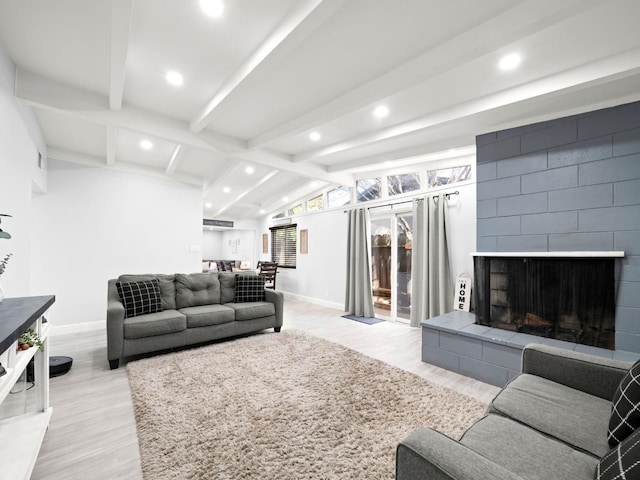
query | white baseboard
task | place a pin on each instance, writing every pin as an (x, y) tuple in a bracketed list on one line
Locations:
[(76, 328), (315, 301)]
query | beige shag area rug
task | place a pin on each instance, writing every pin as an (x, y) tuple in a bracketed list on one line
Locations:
[(282, 406)]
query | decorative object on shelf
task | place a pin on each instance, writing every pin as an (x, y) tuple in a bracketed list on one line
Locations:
[(3, 263), (3, 266), (3, 371), (28, 339)]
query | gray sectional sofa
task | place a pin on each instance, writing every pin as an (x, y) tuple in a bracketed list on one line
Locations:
[(185, 309), (551, 422)]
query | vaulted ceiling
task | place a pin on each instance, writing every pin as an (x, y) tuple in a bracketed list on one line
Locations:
[(259, 79)]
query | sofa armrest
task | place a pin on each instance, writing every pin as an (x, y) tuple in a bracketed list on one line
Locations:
[(428, 454), (588, 373), (115, 323), (277, 298)]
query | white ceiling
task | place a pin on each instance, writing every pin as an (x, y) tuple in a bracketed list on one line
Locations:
[(259, 79)]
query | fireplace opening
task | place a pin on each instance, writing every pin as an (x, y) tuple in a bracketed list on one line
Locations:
[(570, 299)]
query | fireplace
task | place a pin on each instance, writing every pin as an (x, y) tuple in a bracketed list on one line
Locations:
[(568, 296)]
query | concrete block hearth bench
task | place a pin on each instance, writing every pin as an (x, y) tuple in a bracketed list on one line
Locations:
[(153, 312)]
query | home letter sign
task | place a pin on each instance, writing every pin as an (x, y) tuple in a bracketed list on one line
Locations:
[(462, 294)]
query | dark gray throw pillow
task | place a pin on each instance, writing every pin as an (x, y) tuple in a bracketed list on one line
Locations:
[(622, 461), (140, 298), (249, 288), (625, 410)]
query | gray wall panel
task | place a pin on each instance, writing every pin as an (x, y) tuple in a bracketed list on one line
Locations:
[(592, 185)]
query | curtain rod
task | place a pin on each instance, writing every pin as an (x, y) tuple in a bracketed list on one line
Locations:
[(405, 201)]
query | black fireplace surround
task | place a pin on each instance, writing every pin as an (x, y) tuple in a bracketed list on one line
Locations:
[(566, 298)]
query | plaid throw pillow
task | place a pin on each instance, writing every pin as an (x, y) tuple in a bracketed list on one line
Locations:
[(622, 461), (140, 298), (625, 411), (249, 288)]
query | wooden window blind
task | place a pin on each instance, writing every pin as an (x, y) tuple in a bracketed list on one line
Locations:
[(284, 245)]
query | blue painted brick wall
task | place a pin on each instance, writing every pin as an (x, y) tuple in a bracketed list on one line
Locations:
[(568, 184)]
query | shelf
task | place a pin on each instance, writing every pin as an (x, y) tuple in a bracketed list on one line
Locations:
[(18, 362), (21, 434), (20, 438)]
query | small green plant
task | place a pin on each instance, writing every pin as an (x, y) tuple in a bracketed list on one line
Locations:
[(30, 338), (3, 263), (4, 234)]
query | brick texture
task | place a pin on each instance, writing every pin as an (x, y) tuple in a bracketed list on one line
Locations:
[(568, 184)]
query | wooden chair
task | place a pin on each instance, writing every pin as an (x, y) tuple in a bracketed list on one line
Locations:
[(269, 270)]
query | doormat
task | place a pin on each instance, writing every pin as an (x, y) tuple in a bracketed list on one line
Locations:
[(367, 320)]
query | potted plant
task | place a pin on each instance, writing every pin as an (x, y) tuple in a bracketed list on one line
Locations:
[(28, 339), (4, 234)]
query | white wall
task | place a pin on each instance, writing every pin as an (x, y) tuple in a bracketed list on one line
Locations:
[(96, 223), (462, 217), (321, 274), (211, 244), (20, 140)]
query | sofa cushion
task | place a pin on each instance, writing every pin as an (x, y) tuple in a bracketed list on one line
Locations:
[(623, 461), (228, 285), (252, 310), (570, 415), (205, 315), (197, 289), (139, 298), (161, 323), (525, 452), (625, 409), (249, 288), (167, 286)]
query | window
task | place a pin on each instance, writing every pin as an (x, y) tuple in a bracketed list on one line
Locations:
[(448, 175), (339, 197), (407, 182), (283, 245), (297, 210), (315, 203), (369, 189)]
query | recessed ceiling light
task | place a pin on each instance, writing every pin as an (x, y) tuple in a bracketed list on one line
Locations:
[(146, 145), (212, 8), (208, 205), (262, 211), (381, 111), (509, 62), (314, 136), (249, 170), (226, 189), (174, 78), (285, 199), (388, 163)]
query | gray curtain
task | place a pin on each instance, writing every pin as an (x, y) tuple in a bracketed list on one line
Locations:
[(431, 279), (358, 297)]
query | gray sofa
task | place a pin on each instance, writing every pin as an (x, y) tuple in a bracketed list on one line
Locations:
[(550, 422), (195, 308)]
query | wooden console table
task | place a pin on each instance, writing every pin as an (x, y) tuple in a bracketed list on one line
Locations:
[(21, 433)]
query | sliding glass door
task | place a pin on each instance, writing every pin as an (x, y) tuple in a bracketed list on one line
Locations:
[(391, 243)]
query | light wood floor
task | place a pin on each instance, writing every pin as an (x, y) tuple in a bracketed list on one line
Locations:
[(92, 433)]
